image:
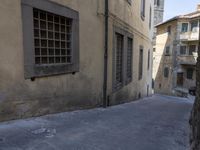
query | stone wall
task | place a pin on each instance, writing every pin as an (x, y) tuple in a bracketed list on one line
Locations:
[(195, 115)]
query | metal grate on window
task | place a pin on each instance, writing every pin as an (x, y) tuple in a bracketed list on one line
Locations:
[(129, 57), (119, 60), (53, 38)]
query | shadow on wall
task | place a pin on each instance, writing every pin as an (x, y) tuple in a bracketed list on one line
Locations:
[(163, 63)]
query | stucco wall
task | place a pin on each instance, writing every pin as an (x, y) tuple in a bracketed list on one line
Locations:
[(161, 60), (21, 98)]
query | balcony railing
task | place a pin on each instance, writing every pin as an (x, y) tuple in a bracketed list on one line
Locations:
[(187, 59), (190, 36)]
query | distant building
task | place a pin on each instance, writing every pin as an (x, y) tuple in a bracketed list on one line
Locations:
[(158, 14), (175, 54), (54, 56)]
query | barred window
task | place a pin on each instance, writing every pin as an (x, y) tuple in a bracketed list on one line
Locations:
[(140, 63), (119, 60), (122, 58), (129, 58), (52, 36)]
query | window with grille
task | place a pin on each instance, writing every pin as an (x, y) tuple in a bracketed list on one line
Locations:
[(52, 36), (122, 58), (190, 73), (51, 39), (192, 49), (119, 60), (140, 63), (129, 58), (183, 50)]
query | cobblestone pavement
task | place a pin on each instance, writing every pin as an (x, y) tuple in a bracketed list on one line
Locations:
[(153, 123)]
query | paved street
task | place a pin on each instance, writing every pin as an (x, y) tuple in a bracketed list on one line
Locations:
[(155, 123)]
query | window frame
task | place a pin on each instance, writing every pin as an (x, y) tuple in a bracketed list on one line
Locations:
[(31, 70), (185, 50), (142, 9), (189, 50), (125, 79), (166, 72), (169, 28), (141, 58), (167, 48), (190, 75), (184, 23), (148, 60)]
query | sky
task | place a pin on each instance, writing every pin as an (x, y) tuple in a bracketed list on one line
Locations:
[(179, 7)]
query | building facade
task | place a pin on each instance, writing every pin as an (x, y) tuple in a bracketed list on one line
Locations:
[(175, 55), (53, 56)]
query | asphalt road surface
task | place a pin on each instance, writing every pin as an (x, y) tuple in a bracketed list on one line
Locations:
[(153, 123)]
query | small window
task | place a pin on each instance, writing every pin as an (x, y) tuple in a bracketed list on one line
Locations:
[(190, 73), (148, 65), (150, 18), (129, 59), (142, 9), (184, 27), (169, 29), (157, 2), (154, 49), (167, 51), (166, 72), (183, 50), (194, 26), (140, 63), (192, 49)]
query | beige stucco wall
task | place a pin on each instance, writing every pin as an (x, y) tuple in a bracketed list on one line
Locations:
[(21, 98), (160, 60)]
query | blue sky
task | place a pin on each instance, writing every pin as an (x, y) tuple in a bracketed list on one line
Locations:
[(178, 7)]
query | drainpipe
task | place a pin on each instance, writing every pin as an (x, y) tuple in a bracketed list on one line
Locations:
[(105, 103)]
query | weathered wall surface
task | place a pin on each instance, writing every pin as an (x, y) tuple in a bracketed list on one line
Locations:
[(21, 98), (161, 60), (128, 17)]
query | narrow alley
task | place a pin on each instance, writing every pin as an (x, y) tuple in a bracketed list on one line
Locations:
[(154, 123)]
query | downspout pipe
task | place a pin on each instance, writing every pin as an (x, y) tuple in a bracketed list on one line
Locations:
[(105, 102)]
